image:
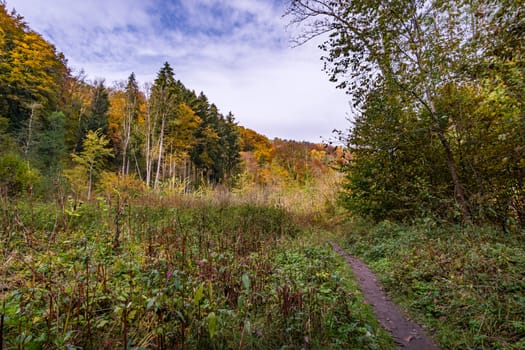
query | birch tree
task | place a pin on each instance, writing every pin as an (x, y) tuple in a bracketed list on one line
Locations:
[(417, 46), (131, 112), (92, 159), (162, 106)]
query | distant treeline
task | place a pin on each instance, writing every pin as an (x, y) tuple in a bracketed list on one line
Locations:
[(56, 126)]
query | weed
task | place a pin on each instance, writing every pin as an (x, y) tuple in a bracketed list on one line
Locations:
[(172, 273)]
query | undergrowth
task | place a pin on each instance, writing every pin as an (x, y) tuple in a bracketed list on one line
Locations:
[(465, 283), (161, 274)]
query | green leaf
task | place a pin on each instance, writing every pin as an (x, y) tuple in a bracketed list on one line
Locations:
[(246, 281), (198, 294), (177, 284), (212, 324)]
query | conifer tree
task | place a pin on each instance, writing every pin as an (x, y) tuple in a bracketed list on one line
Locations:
[(162, 104)]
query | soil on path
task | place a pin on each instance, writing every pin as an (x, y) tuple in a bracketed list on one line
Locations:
[(406, 334)]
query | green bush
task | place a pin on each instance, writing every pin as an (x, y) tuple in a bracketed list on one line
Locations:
[(16, 175)]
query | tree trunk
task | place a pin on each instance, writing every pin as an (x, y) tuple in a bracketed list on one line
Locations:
[(27, 145), (148, 147), (159, 160), (459, 192), (90, 178), (458, 189)]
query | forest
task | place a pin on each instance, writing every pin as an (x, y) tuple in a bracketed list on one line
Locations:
[(141, 217), (58, 125)]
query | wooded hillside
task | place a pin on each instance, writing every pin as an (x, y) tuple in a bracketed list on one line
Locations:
[(57, 126)]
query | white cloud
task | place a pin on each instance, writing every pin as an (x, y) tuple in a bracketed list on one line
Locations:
[(239, 58)]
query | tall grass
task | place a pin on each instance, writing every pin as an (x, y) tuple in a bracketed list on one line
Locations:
[(173, 272)]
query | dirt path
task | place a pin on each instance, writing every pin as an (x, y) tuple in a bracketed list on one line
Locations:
[(407, 334)]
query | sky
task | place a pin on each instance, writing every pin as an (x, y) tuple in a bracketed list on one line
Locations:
[(238, 52)]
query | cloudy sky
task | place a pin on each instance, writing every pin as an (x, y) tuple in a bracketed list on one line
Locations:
[(237, 52)]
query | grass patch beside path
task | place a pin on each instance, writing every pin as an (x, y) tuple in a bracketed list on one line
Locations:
[(467, 284)]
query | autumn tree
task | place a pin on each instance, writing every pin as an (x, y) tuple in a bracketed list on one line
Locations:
[(181, 140), (125, 100), (31, 75), (91, 160), (419, 51)]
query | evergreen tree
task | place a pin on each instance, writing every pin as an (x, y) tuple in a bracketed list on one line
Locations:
[(231, 148), (162, 105), (131, 113), (51, 148), (97, 118)]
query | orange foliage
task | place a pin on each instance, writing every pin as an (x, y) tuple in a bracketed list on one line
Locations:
[(116, 113)]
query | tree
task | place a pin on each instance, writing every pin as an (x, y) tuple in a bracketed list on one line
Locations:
[(32, 74), (97, 117), (206, 151), (51, 147), (125, 101), (162, 103), (16, 175), (77, 101), (28, 133), (6, 140), (91, 160), (396, 169), (181, 140), (131, 113), (231, 148), (416, 48)]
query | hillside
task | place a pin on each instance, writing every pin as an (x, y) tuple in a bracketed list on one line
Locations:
[(164, 134)]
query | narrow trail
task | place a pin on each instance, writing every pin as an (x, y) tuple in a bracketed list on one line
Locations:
[(406, 334)]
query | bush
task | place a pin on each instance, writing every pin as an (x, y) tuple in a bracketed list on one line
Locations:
[(16, 175)]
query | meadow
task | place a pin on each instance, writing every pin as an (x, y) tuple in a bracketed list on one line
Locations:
[(207, 270)]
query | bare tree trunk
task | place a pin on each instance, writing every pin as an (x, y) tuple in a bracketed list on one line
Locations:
[(159, 159), (90, 180), (27, 145), (128, 121), (125, 151), (151, 126), (126, 125), (459, 192), (148, 147), (137, 165)]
